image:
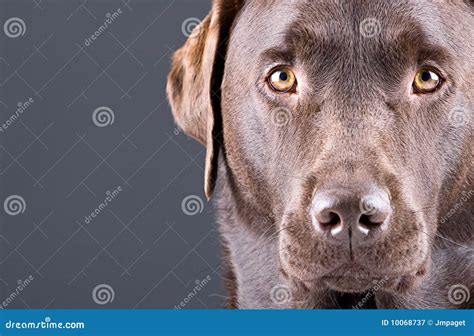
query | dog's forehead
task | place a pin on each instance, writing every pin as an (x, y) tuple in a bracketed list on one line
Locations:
[(270, 23)]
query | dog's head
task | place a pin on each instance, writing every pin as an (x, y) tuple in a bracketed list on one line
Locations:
[(349, 122)]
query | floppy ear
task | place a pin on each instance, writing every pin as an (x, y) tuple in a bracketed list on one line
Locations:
[(195, 79)]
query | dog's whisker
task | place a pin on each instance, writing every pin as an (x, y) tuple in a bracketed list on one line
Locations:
[(270, 239), (444, 238)]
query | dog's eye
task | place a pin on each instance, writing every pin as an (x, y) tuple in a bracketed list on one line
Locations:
[(282, 79), (426, 80)]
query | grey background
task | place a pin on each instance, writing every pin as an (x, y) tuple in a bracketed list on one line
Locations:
[(62, 164)]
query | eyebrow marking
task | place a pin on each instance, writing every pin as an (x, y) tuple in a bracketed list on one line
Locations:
[(277, 54)]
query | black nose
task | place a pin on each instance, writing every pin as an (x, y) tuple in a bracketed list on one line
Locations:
[(359, 214)]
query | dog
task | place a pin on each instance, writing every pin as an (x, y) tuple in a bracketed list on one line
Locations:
[(339, 138)]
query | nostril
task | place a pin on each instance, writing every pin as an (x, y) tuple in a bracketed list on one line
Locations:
[(329, 222), (369, 221), (357, 215), (332, 219), (372, 223), (375, 211)]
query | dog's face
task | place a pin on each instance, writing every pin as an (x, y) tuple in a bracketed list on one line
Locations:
[(343, 121)]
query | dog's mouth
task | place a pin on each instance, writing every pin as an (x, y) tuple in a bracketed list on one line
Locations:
[(355, 284), (394, 263), (359, 300), (355, 278)]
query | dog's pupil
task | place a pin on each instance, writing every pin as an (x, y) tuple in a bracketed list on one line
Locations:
[(283, 76), (425, 76)]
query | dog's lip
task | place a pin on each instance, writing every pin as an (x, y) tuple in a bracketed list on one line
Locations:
[(344, 272), (350, 270), (356, 278), (354, 285), (353, 277)]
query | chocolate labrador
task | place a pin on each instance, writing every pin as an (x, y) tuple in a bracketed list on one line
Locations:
[(339, 138)]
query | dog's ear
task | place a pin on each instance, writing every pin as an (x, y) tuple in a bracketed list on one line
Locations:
[(195, 79)]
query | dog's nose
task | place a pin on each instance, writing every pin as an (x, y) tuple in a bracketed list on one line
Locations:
[(360, 215)]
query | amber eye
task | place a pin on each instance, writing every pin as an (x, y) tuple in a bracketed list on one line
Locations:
[(282, 79), (426, 80)]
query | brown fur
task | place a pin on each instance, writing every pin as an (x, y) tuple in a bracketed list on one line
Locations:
[(352, 121)]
